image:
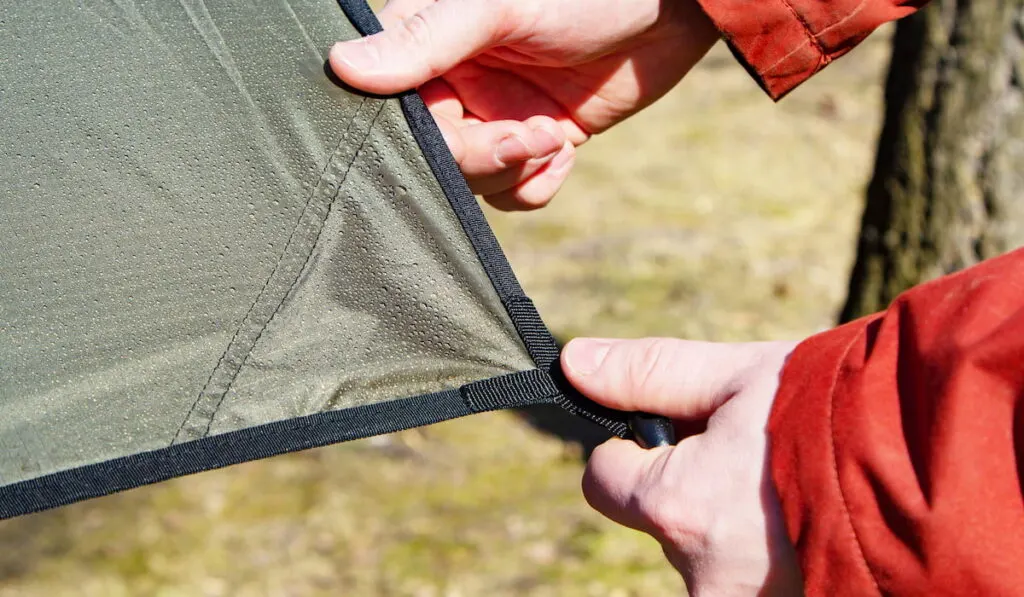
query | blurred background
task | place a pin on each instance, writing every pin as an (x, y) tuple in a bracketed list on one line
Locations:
[(716, 214)]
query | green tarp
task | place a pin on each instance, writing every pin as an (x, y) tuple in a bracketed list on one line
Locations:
[(211, 251)]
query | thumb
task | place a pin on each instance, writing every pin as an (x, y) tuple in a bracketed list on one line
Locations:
[(422, 46), (675, 378)]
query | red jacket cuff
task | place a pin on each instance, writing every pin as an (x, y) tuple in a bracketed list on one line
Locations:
[(783, 42), (814, 506), (897, 441)]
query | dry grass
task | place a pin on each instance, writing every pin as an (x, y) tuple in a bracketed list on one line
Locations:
[(715, 214)]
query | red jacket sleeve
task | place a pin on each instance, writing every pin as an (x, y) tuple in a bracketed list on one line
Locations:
[(783, 42), (897, 443)]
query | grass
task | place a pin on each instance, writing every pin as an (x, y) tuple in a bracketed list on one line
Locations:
[(715, 214)]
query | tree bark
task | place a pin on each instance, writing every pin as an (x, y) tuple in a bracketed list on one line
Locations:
[(948, 186)]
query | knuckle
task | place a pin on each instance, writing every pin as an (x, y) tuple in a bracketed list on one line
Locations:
[(417, 33), (417, 29), (522, 18), (666, 514), (645, 369)]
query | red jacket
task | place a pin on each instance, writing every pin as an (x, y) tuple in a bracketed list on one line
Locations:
[(783, 42), (897, 441)]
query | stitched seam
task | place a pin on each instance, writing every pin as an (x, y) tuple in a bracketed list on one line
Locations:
[(811, 40), (835, 463), (786, 57), (298, 275), (848, 16), (806, 27), (270, 277), (266, 284)]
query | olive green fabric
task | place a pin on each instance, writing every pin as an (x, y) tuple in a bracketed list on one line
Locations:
[(202, 232)]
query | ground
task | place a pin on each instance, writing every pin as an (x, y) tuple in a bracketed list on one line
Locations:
[(715, 214)]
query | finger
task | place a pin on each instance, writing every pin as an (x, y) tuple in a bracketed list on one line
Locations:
[(497, 157), (500, 155), (442, 100), (497, 94), (664, 376), (510, 179), (452, 136), (494, 147), (422, 46), (617, 474), (539, 189)]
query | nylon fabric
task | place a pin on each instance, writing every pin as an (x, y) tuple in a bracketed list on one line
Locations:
[(202, 233)]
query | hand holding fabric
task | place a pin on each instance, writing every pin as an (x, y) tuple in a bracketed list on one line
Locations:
[(708, 500), (516, 85)]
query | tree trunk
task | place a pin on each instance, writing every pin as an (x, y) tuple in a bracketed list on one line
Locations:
[(948, 187)]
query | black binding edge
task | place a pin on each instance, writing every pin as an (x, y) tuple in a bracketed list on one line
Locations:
[(271, 439), (544, 385)]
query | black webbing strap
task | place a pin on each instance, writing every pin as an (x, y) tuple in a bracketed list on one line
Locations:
[(510, 391)]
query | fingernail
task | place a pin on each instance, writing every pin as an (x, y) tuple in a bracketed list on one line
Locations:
[(546, 142), (357, 54), (561, 161), (512, 150), (584, 356)]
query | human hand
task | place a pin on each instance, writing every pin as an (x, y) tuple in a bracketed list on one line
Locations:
[(516, 85), (709, 500)]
